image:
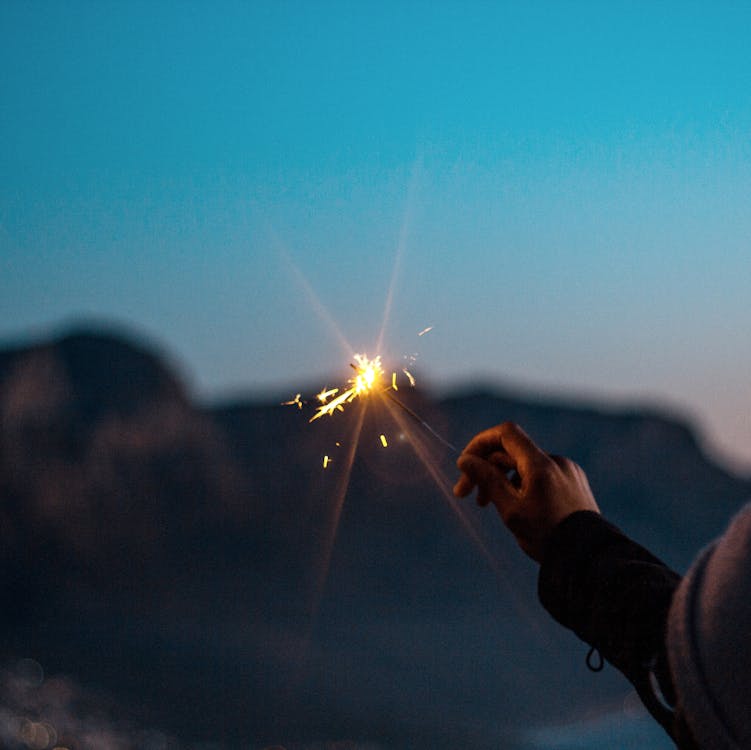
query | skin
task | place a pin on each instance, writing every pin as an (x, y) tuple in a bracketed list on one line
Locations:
[(532, 491)]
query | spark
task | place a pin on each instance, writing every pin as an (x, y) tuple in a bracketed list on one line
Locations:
[(326, 462), (410, 377), (368, 373), (295, 400), (425, 330), (384, 443), (325, 394), (393, 381)]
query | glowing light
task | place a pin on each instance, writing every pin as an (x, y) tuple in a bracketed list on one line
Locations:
[(393, 381), (326, 462), (368, 374), (425, 330), (295, 400), (410, 377), (325, 395), (384, 443)]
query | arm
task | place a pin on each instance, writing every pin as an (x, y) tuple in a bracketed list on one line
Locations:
[(615, 595), (610, 591)]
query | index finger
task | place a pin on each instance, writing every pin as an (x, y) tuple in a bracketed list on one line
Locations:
[(507, 438)]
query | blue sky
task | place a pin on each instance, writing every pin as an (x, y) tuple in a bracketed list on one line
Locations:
[(568, 182)]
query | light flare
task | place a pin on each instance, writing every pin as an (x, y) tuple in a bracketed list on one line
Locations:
[(368, 375)]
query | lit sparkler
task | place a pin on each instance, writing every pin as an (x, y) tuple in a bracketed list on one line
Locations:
[(368, 379), (368, 374)]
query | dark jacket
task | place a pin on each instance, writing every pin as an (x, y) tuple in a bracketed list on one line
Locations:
[(615, 595)]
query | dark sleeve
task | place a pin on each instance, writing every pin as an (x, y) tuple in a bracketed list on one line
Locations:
[(615, 595)]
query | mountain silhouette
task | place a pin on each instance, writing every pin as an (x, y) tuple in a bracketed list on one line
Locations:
[(181, 557)]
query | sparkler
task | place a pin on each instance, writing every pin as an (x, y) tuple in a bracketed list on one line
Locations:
[(368, 373), (367, 380)]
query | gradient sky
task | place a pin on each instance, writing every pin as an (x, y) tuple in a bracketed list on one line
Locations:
[(569, 184)]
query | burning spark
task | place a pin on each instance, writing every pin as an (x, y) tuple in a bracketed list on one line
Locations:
[(368, 379), (368, 374), (425, 330), (295, 400), (325, 395)]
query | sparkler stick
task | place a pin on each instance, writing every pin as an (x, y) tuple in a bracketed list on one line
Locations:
[(420, 421)]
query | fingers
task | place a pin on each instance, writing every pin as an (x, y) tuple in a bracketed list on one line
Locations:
[(485, 442), (506, 439), (502, 459), (463, 486), (506, 447), (520, 447), (491, 481)]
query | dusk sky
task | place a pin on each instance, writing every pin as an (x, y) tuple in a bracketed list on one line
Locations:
[(568, 183)]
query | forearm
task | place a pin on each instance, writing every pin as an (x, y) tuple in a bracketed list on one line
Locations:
[(613, 594)]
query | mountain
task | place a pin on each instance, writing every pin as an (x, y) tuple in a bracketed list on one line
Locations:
[(186, 560)]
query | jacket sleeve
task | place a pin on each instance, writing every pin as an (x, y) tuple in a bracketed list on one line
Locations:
[(615, 595)]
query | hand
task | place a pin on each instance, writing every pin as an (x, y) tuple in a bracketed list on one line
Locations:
[(532, 490)]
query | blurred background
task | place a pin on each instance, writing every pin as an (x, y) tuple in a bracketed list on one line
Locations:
[(206, 209)]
